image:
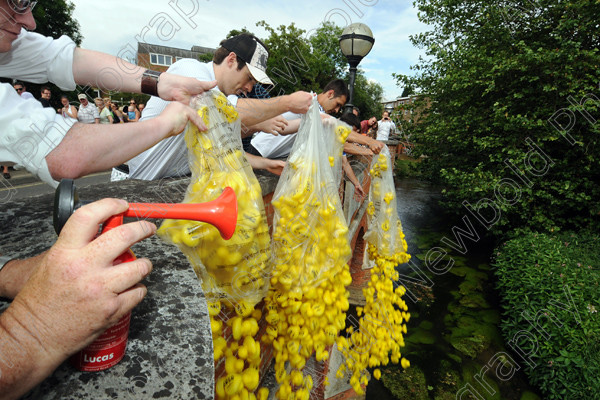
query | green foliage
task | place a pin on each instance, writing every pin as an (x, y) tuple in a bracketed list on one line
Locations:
[(301, 60), (502, 79), (405, 384), (205, 57), (367, 96), (54, 18), (553, 280), (406, 168)]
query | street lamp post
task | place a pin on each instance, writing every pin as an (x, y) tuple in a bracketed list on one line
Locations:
[(356, 42)]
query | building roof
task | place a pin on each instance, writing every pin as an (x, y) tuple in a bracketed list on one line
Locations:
[(146, 48)]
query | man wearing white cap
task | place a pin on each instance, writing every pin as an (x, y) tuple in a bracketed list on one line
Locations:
[(87, 113), (238, 64)]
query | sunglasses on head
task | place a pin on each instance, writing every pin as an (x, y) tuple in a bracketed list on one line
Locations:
[(21, 6)]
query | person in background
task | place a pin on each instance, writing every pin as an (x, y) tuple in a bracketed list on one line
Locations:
[(117, 114), (355, 111), (106, 116), (141, 107), (87, 113), (365, 125), (385, 127), (67, 110), (45, 94), (22, 90), (133, 114)]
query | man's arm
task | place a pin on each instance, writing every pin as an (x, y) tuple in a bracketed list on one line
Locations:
[(352, 148), (375, 145), (15, 274), (92, 68), (72, 296), (274, 126), (273, 166), (91, 148), (254, 111), (359, 192)]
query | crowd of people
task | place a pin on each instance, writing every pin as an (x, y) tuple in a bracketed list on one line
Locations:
[(104, 110), (52, 314)]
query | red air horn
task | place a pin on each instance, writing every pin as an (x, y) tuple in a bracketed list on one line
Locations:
[(221, 212), (109, 348)]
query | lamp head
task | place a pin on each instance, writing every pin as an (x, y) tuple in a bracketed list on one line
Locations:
[(356, 42)]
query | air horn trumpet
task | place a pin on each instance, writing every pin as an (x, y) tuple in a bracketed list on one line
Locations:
[(221, 212), (109, 348)]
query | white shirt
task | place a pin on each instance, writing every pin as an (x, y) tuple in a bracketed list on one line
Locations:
[(169, 157), (88, 114), (271, 146), (29, 131), (385, 129)]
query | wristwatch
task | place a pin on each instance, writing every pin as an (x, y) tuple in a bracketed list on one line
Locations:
[(150, 82)]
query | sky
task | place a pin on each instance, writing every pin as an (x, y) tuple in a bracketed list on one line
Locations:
[(116, 27)]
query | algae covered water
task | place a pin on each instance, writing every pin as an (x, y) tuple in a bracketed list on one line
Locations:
[(453, 342)]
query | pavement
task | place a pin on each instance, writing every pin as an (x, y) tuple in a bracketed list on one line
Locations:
[(23, 184)]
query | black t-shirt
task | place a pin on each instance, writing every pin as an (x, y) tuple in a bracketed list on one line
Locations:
[(45, 102)]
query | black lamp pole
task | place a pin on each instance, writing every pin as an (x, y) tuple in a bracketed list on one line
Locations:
[(353, 61)]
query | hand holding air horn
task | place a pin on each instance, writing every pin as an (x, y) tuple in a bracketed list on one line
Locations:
[(109, 348)]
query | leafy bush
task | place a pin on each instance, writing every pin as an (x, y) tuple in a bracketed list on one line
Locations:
[(549, 288), (512, 123), (406, 168)]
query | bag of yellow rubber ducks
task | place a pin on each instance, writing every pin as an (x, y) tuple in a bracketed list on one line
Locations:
[(379, 335), (310, 248), (237, 270), (335, 132)]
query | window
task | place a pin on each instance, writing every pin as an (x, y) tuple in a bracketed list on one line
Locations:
[(160, 59)]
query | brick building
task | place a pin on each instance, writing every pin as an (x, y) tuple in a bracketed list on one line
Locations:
[(159, 58), (401, 108)]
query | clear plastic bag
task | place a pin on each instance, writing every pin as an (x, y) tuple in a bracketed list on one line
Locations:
[(385, 228), (379, 336), (308, 299), (236, 270)]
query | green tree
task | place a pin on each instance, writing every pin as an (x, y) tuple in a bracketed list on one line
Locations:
[(54, 18), (301, 60), (291, 64), (511, 128), (367, 96)]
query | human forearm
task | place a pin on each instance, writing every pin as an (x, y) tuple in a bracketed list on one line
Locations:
[(92, 68), (88, 148), (14, 275), (95, 69), (374, 145), (25, 360), (349, 171), (355, 137), (92, 148), (352, 148), (254, 111)]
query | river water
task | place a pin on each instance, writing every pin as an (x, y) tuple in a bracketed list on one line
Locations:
[(453, 340)]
